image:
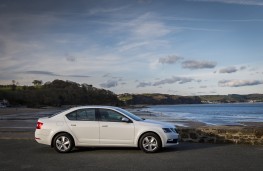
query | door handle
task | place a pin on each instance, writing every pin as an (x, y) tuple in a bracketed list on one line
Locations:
[(73, 124), (104, 126)]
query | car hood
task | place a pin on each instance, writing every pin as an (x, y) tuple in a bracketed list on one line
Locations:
[(153, 122)]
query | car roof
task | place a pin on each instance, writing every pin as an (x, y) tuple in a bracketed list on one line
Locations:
[(94, 106)]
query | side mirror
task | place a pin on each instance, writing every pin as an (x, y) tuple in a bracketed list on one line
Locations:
[(125, 120)]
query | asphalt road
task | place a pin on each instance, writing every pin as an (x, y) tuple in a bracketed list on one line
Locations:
[(29, 155)]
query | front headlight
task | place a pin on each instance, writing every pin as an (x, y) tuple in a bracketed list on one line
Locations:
[(174, 130), (167, 130)]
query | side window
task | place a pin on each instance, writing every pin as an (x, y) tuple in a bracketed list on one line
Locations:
[(110, 115), (72, 116), (82, 115), (91, 114)]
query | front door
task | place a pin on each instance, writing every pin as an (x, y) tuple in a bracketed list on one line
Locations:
[(113, 131)]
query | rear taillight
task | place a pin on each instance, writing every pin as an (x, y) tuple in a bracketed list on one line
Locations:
[(39, 125)]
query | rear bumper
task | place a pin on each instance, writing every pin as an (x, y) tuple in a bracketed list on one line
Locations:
[(42, 137)]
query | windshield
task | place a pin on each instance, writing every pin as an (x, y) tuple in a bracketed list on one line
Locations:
[(134, 117)]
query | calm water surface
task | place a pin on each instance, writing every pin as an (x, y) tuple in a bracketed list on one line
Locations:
[(214, 114)]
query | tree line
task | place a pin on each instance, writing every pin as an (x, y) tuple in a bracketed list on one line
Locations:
[(158, 99), (57, 93)]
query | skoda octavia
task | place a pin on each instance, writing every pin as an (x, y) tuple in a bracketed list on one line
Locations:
[(104, 126)]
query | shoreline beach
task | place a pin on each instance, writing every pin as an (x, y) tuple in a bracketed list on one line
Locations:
[(24, 113), (182, 122), (19, 123)]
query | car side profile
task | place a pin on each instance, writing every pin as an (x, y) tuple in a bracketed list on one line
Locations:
[(105, 126)]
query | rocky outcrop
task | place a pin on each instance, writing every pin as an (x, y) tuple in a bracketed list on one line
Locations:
[(223, 134)]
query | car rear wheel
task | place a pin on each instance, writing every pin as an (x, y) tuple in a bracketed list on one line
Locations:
[(150, 143), (63, 143)]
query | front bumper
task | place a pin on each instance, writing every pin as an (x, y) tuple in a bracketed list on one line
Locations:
[(171, 139)]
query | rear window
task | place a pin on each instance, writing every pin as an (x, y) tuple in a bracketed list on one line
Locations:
[(82, 115)]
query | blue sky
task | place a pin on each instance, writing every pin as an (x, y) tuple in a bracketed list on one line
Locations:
[(184, 47)]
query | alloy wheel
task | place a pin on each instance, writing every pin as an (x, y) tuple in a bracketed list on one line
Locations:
[(63, 143), (149, 143)]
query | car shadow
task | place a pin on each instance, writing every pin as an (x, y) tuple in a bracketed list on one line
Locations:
[(185, 146), (105, 149)]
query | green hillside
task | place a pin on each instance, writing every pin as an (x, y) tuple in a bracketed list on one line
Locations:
[(57, 93), (154, 99), (232, 98)]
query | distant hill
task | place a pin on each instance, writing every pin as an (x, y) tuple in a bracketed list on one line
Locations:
[(57, 93), (232, 98), (155, 99)]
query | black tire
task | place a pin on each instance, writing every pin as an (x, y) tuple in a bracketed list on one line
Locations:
[(150, 143), (63, 143)]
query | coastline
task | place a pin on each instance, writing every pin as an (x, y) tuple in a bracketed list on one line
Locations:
[(183, 122), (162, 117), (19, 123), (198, 132)]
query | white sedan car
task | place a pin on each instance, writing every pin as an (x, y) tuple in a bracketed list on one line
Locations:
[(104, 126)]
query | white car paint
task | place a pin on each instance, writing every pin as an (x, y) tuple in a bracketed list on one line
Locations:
[(103, 133)]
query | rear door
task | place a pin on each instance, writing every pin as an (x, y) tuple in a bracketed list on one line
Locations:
[(113, 131), (84, 125)]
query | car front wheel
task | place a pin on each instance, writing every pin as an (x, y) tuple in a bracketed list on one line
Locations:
[(63, 143), (150, 143)]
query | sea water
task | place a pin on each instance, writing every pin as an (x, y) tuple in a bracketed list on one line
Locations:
[(213, 114)]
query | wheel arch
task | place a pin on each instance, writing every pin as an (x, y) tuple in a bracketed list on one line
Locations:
[(143, 133), (61, 132)]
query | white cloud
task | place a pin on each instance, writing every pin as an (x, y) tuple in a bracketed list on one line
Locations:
[(243, 68), (193, 64), (174, 79), (154, 64), (169, 59), (150, 29), (144, 84), (239, 83), (109, 84), (230, 69), (48, 73), (146, 26), (145, 32), (132, 45)]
